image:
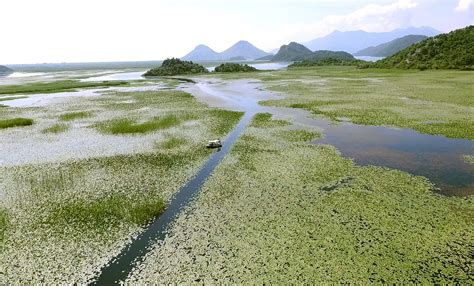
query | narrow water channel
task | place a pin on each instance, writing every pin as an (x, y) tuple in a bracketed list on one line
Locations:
[(119, 268)]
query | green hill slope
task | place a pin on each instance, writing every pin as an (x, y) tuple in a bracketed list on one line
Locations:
[(392, 47), (446, 51), (297, 52), (292, 52)]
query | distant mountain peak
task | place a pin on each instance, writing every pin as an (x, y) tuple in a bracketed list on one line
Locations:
[(353, 41), (240, 50), (201, 51), (243, 42)]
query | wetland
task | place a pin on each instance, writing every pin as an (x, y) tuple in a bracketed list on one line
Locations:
[(327, 174)]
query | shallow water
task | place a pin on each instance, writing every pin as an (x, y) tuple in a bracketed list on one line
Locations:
[(369, 59), (45, 99), (438, 158), (117, 76)]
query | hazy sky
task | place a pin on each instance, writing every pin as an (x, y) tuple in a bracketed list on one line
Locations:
[(37, 31)]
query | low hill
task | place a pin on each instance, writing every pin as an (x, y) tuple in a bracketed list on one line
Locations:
[(4, 71), (292, 52), (297, 52), (242, 50), (446, 51), (202, 52), (353, 41), (233, 67), (174, 66), (392, 47)]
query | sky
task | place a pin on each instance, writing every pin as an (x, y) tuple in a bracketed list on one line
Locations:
[(53, 31)]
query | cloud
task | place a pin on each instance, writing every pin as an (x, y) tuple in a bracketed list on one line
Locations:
[(464, 5), (371, 18)]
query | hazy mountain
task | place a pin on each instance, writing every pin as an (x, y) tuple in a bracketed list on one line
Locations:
[(354, 41), (4, 71), (202, 52), (292, 52), (446, 51), (392, 47), (241, 50)]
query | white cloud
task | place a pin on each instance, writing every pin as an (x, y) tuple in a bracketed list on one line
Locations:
[(464, 5), (371, 18)]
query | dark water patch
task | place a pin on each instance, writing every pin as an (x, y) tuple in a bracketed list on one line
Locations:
[(118, 268), (438, 158)]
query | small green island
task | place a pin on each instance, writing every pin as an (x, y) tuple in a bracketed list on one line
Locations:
[(174, 66), (234, 67)]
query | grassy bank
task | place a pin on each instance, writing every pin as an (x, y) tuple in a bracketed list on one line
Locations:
[(280, 209), (55, 86)]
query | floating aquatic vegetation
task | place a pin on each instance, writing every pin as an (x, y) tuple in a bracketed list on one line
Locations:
[(81, 209), (264, 217)]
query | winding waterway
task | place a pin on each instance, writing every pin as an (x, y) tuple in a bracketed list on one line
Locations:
[(438, 158)]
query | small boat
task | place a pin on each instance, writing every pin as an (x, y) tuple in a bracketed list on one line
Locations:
[(214, 144)]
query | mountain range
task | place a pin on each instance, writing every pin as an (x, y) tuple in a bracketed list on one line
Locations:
[(392, 47), (241, 50), (354, 41)]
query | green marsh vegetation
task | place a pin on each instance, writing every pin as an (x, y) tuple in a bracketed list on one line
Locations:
[(81, 211), (102, 213), (128, 126), (281, 209), (265, 120), (15, 122), (56, 128), (172, 142), (74, 115), (3, 223), (56, 86)]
